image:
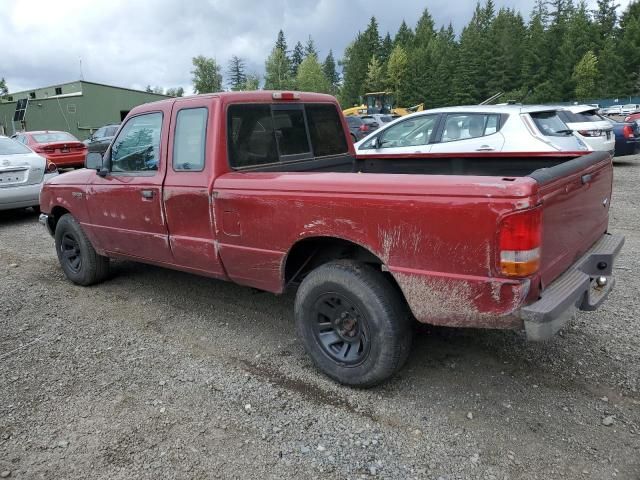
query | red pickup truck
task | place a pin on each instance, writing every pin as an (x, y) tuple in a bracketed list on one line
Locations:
[(264, 189)]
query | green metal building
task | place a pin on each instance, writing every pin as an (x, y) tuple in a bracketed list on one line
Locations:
[(77, 107)]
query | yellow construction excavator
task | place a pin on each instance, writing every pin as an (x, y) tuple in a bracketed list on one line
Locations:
[(381, 102)]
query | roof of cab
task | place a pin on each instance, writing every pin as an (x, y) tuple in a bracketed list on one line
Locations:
[(250, 96)]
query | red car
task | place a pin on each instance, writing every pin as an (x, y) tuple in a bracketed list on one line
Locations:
[(60, 148), (264, 189), (634, 117)]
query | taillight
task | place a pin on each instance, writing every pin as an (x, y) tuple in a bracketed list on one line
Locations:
[(627, 131), (591, 133), (519, 241), (285, 95), (364, 127)]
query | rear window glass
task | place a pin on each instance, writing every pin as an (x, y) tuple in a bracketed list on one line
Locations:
[(53, 137), (11, 147), (325, 129), (354, 121), (550, 124), (265, 134), (369, 120), (588, 116), (386, 118)]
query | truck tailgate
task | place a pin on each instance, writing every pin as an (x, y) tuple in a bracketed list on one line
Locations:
[(575, 200)]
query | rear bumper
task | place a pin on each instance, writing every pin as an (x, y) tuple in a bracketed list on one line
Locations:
[(20, 197), (577, 288)]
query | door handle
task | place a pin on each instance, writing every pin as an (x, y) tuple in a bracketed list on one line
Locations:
[(485, 148), (147, 193), (586, 178)]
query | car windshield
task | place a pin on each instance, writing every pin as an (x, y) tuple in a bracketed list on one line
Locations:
[(11, 147), (53, 137), (550, 124)]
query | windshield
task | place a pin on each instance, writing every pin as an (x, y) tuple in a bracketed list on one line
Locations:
[(54, 137), (550, 124), (11, 147)]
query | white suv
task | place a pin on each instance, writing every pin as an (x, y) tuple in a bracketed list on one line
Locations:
[(590, 127), (477, 128)]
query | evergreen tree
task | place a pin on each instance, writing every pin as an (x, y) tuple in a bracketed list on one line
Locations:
[(424, 30), (237, 77), (443, 54), (206, 75), (375, 81), (355, 63), (330, 73), (310, 48), (158, 90), (606, 18), (148, 89), (507, 33), (629, 44), (611, 78), (277, 71), (585, 75), (252, 82), (296, 58), (385, 48), (3, 87), (310, 76), (281, 43), (397, 70), (404, 37)]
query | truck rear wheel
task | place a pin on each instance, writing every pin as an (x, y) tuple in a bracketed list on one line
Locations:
[(78, 259), (353, 323)]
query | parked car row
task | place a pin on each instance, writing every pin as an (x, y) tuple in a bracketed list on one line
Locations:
[(501, 128)]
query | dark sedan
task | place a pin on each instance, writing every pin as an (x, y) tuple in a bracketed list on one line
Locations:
[(360, 127), (627, 137), (100, 140)]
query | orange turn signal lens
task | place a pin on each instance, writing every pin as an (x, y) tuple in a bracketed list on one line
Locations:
[(519, 263)]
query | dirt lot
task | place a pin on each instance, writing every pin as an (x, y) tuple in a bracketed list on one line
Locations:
[(159, 374)]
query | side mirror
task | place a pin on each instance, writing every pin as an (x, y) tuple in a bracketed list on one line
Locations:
[(93, 161)]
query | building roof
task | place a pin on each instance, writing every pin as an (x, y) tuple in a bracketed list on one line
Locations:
[(22, 92)]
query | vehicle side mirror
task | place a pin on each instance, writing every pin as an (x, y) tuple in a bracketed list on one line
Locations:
[(93, 161)]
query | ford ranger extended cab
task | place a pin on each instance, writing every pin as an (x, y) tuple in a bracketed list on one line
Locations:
[(264, 189)]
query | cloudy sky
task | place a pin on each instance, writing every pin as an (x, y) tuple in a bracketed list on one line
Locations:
[(133, 43)]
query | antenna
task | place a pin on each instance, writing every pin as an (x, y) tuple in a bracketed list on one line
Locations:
[(81, 75)]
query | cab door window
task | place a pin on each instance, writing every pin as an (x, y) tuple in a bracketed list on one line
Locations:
[(189, 139), (137, 147), (469, 125), (408, 133)]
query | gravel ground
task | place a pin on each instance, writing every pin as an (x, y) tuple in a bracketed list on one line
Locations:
[(160, 374)]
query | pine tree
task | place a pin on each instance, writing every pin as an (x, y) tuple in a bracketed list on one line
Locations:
[(397, 70), (296, 58), (3, 87), (277, 71), (404, 37), (606, 18), (611, 78), (443, 54), (148, 89), (386, 46), (175, 92), (375, 81), (310, 48), (252, 82), (281, 43), (310, 77), (585, 75), (206, 75), (330, 73), (237, 77), (424, 30), (355, 63)]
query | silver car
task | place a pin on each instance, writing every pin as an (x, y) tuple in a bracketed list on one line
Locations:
[(22, 174)]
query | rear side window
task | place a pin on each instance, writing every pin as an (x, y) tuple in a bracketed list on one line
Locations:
[(550, 124), (267, 134), (469, 125), (189, 139)]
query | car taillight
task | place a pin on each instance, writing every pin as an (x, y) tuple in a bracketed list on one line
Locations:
[(519, 240), (591, 133), (364, 127), (627, 131)]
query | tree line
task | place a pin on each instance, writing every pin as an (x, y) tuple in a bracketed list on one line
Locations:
[(564, 51)]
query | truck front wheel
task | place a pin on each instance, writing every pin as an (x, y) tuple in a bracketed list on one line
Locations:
[(78, 259), (353, 323)]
